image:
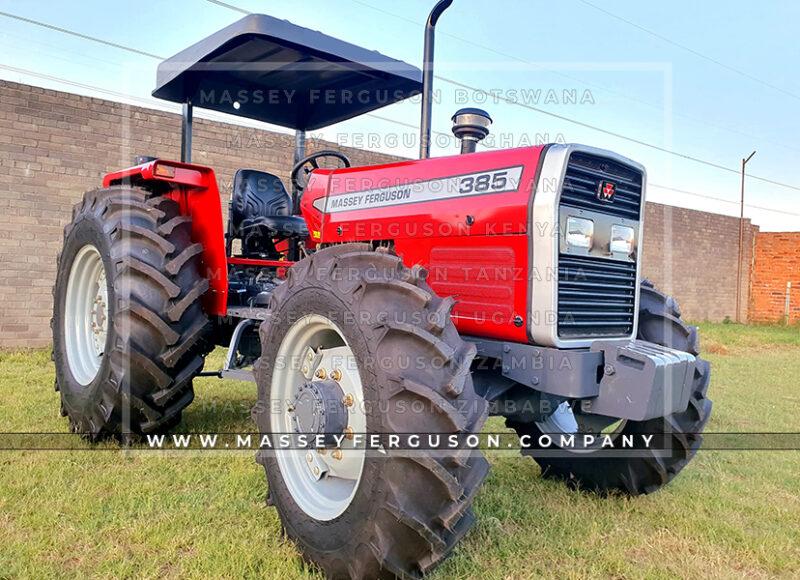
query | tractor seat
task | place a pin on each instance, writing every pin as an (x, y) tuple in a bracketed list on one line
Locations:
[(278, 226), (260, 202)]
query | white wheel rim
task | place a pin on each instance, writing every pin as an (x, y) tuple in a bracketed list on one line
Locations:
[(563, 422), (86, 315), (322, 485)]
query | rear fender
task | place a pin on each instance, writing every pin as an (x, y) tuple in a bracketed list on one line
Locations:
[(194, 187)]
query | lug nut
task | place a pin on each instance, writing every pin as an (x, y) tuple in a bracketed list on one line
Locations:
[(348, 400), (305, 370), (316, 470), (321, 374), (336, 375), (309, 457), (348, 432), (337, 454), (322, 451)]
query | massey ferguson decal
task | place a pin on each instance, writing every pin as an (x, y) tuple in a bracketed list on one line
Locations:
[(480, 183)]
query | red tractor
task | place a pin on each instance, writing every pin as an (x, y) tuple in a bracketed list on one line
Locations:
[(411, 297)]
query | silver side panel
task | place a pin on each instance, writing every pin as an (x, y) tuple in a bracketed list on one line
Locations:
[(545, 238)]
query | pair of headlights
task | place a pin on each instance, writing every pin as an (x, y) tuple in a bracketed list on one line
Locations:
[(580, 235)]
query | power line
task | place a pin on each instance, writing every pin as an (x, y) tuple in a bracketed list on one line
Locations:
[(48, 77), (79, 35), (230, 6), (62, 52), (693, 193), (722, 199), (585, 125), (139, 52), (690, 50), (570, 77), (141, 101), (566, 119), (456, 83), (242, 11), (147, 102), (171, 107), (581, 123)]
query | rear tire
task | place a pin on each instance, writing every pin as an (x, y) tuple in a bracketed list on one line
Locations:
[(659, 322), (406, 514), (137, 376)]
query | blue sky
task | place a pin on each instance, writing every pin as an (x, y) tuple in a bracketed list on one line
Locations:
[(625, 80)]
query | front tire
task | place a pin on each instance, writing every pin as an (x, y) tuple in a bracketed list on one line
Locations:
[(659, 322), (402, 515), (128, 327)]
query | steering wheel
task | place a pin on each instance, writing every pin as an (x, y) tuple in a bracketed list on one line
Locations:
[(303, 168)]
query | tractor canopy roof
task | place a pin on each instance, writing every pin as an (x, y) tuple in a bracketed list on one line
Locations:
[(274, 71)]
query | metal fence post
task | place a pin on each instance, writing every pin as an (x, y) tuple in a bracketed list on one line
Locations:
[(787, 303)]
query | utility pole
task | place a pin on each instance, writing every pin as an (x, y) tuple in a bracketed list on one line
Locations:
[(741, 244)]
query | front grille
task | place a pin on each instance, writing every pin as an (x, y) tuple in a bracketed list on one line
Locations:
[(596, 297), (582, 180)]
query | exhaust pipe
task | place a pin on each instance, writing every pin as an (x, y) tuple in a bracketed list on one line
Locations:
[(427, 78)]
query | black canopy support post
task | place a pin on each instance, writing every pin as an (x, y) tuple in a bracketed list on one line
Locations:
[(427, 78), (299, 145), (186, 132), (299, 153)]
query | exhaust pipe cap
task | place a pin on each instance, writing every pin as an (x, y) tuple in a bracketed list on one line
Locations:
[(471, 125)]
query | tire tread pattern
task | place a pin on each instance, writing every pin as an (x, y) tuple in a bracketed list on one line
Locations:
[(153, 259), (659, 322), (407, 537)]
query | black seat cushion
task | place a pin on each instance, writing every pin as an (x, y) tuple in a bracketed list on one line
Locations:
[(257, 194), (261, 214), (277, 226)]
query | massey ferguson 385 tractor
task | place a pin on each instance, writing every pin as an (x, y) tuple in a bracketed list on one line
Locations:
[(410, 297)]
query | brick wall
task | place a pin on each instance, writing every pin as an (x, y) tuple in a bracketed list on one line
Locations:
[(56, 145), (776, 262), (692, 255)]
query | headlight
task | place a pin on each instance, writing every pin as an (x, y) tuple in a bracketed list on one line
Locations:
[(622, 240), (580, 233)]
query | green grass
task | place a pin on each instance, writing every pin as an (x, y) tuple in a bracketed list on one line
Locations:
[(113, 514)]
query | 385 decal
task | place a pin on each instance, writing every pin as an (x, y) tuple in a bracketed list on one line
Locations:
[(492, 182)]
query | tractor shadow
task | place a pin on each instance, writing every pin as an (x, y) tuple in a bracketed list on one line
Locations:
[(220, 405)]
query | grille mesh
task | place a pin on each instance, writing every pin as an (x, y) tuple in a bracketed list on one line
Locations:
[(582, 179), (596, 297)]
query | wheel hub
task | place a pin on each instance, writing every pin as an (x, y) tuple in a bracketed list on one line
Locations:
[(319, 409), (99, 316), (322, 395)]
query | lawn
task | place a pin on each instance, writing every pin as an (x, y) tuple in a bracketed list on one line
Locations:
[(199, 515)]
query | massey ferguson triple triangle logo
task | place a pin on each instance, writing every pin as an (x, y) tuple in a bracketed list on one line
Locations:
[(606, 191)]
